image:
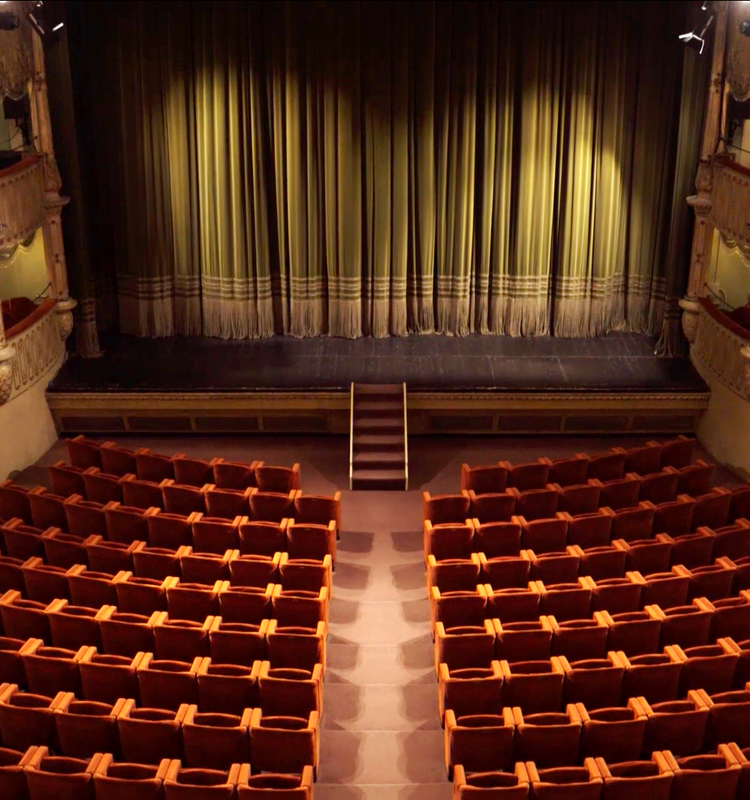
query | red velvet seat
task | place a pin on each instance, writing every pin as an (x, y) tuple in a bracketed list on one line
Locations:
[(25, 719), (565, 601), (193, 471), (149, 734), (14, 501), (215, 534), (686, 626), (193, 601), (496, 539), (691, 549), (709, 667), (568, 471), (254, 570), (111, 557), (65, 549), (533, 686), (613, 733), (246, 603), (124, 781), (277, 479), (66, 480), (448, 540), (227, 688), (473, 690), (548, 535), (181, 498), (308, 540), (235, 474), (283, 744), (645, 555), (531, 475), (73, 626), (601, 563), (454, 573), (141, 595), (713, 509), (557, 783), (620, 492), (127, 523), (633, 524), (655, 676), (50, 670), (83, 452), (607, 466), (237, 642), (262, 538), (126, 634), (102, 487), (533, 504), (699, 776), (180, 639), (678, 726), (167, 684), (170, 530), (21, 541), (505, 572), (216, 740), (85, 727), (228, 503), (523, 641), (478, 742), (588, 530), (677, 452), (552, 568), (90, 588), (694, 479), (154, 467), (47, 510), (117, 460), (496, 507), (551, 739), (634, 632), (24, 619), (458, 608), (674, 517), (271, 506), (579, 639), (490, 479), (296, 647), (137, 493), (643, 459), (85, 518), (157, 562), (105, 678), (465, 646), (616, 595), (659, 487), (513, 605), (595, 682), (666, 589), (580, 498)]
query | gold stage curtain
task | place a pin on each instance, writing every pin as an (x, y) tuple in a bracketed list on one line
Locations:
[(381, 168)]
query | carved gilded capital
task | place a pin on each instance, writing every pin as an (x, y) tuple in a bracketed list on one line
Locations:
[(702, 204), (64, 311), (690, 311), (704, 177)]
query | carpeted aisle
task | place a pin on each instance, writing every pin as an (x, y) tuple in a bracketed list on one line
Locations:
[(381, 736)]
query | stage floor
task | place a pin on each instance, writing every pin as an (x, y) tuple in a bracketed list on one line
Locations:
[(616, 362)]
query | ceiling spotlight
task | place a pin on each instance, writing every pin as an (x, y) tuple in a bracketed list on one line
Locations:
[(745, 27)]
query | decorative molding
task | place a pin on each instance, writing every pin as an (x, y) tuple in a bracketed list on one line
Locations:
[(39, 350), (21, 201), (6, 373), (730, 209), (722, 352)]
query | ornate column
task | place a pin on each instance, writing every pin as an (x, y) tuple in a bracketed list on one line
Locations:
[(701, 202), (54, 203), (6, 366)]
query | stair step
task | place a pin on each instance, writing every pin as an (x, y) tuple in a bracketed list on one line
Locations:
[(385, 389), (377, 424), (378, 441), (379, 459), (381, 406), (378, 479)]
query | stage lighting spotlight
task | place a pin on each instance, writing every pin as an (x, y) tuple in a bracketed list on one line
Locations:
[(693, 41)]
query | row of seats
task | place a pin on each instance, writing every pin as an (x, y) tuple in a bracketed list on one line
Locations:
[(116, 460), (611, 465), (118, 634), (73, 512), (294, 654), (633, 518), (636, 633), (26, 718), (580, 599), (69, 625), (542, 685), (37, 775), (591, 534), (259, 543), (602, 564), (724, 775), (492, 740), (159, 563)]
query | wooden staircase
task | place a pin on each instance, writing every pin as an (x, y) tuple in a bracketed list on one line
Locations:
[(378, 454)]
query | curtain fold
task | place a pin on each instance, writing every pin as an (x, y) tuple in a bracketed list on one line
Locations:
[(385, 168)]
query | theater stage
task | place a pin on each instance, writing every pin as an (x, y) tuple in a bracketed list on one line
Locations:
[(474, 384)]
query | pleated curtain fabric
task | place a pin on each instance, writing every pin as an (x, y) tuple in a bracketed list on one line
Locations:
[(384, 168)]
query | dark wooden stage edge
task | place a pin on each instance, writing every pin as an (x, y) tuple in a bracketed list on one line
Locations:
[(310, 411), (476, 384)]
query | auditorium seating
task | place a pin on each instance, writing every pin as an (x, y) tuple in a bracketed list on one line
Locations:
[(157, 615), (596, 644)]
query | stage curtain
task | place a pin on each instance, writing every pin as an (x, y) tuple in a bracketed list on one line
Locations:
[(381, 168)]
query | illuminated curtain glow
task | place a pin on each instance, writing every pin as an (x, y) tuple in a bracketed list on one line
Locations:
[(380, 168)]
